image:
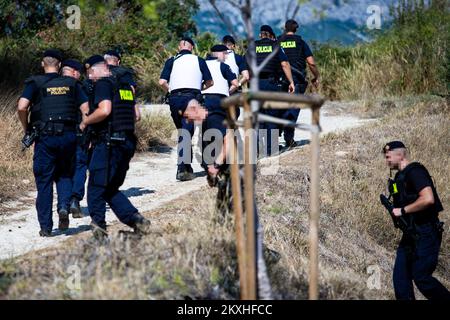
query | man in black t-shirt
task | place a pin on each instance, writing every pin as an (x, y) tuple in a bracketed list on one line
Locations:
[(416, 200)]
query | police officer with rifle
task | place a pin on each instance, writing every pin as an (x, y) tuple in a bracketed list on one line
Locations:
[(414, 210)]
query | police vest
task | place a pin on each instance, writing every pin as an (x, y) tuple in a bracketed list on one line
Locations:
[(186, 73), (120, 73), (293, 47), (402, 197), (56, 100), (220, 83), (231, 61), (122, 117), (264, 48)]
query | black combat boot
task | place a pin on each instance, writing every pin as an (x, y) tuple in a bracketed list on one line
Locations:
[(45, 233), (141, 225), (75, 209), (63, 219)]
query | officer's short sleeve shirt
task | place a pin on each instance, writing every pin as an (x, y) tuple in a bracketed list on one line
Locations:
[(81, 95), (103, 91), (227, 73), (418, 179), (241, 63)]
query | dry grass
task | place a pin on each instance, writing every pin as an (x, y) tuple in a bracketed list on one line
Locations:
[(15, 165), (195, 257), (155, 129)]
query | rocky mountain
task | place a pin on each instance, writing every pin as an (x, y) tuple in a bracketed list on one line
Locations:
[(340, 21)]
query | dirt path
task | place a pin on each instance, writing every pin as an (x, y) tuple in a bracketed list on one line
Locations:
[(150, 183)]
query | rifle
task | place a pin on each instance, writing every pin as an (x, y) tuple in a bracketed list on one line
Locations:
[(399, 222)]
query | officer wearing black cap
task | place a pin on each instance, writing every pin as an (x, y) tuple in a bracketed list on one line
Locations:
[(225, 83), (416, 200), (299, 55), (184, 76), (113, 60), (236, 62), (52, 101), (270, 74), (112, 122), (74, 68)]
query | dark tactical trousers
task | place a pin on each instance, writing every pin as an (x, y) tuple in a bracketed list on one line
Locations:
[(292, 114), (107, 172), (416, 261), (178, 103), (52, 162), (214, 121), (79, 176)]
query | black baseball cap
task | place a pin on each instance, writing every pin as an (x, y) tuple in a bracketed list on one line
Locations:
[(54, 53), (74, 64), (219, 48), (113, 53), (187, 39), (393, 145), (89, 62), (228, 39), (267, 28)]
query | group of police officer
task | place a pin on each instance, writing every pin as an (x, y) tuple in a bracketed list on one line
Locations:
[(90, 126), (73, 122)]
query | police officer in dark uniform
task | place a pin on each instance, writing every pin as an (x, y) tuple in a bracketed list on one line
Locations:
[(52, 101), (112, 122), (184, 76), (269, 76), (416, 200), (299, 54), (122, 74), (225, 83), (73, 68)]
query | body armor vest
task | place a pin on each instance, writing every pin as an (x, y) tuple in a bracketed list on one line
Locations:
[(56, 100), (293, 47), (264, 48), (401, 196), (122, 117)]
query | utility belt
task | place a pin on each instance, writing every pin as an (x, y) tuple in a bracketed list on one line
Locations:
[(214, 95), (51, 128), (111, 139), (195, 94), (185, 92)]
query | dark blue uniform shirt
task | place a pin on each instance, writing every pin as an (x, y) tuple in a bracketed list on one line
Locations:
[(241, 62), (103, 91)]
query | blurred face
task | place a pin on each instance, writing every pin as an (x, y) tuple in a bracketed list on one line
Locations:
[(76, 74), (97, 71), (394, 158), (195, 112)]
